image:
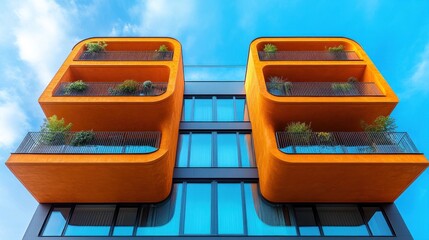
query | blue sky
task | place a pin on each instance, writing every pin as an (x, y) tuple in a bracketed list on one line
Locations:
[(37, 35)]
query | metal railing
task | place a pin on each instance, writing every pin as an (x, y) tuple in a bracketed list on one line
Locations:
[(92, 143), (126, 56), (319, 89), (345, 142), (308, 56), (110, 89)]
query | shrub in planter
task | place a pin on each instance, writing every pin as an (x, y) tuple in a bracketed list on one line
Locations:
[(324, 137), (275, 85), (161, 53), (288, 88), (95, 47), (380, 124), (338, 52), (301, 132), (128, 87), (148, 87), (270, 50), (82, 138), (75, 87), (54, 131)]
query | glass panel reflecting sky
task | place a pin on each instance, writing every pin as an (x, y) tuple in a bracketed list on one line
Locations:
[(230, 209), (376, 221), (225, 109), (227, 152), (203, 110), (91, 220), (201, 150), (56, 222), (341, 221), (198, 209), (125, 221)]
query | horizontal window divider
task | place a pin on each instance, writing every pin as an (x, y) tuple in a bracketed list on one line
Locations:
[(216, 126), (221, 173)]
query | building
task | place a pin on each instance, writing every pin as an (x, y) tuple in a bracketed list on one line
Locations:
[(176, 159)]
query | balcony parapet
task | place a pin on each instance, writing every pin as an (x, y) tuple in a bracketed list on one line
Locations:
[(126, 56), (345, 143), (323, 89), (308, 56), (90, 143), (109, 89)]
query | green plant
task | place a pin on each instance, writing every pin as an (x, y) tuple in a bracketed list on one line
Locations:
[(298, 127), (148, 84), (288, 87), (54, 130), (339, 48), (75, 87), (301, 132), (342, 87), (125, 88), (163, 48), (95, 47), (352, 80), (276, 83), (380, 124), (324, 137), (270, 48), (82, 138)]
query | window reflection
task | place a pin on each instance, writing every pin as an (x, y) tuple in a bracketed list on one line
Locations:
[(57, 221), (225, 108), (341, 221), (198, 209), (376, 221), (91, 220), (230, 209)]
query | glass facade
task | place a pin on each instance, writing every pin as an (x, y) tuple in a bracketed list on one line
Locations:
[(215, 149), (217, 209), (215, 108)]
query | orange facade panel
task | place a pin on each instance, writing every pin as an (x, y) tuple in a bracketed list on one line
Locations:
[(358, 177), (58, 177)]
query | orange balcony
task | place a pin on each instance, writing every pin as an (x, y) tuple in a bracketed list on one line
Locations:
[(295, 173), (95, 176)]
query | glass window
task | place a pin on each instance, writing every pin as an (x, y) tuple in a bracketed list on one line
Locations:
[(376, 221), (341, 221), (162, 219), (227, 152), (201, 150), (56, 222), (187, 109), (203, 110), (246, 150), (182, 159), (306, 222), (198, 209), (91, 220), (241, 110), (215, 109), (232, 150), (125, 221), (225, 109), (230, 209), (264, 219)]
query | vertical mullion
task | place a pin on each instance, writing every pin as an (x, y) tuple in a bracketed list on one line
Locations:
[(192, 109), (319, 224), (115, 216), (214, 109), (188, 160), (183, 210), (136, 224), (214, 150), (68, 220), (45, 222), (298, 232), (243, 207), (234, 109), (214, 209), (362, 215), (237, 137)]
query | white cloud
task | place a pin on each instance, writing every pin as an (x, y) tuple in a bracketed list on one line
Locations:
[(13, 120), (43, 35), (418, 81), (158, 18)]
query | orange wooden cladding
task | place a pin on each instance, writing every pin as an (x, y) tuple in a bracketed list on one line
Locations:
[(322, 177), (110, 178)]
